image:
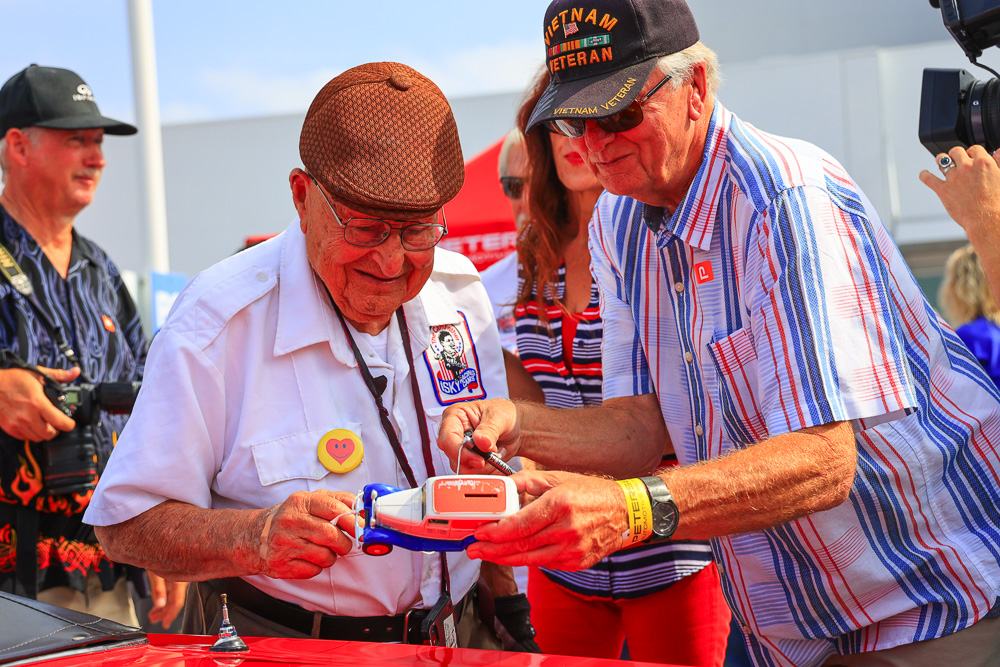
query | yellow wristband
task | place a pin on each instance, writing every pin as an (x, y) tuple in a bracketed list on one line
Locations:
[(639, 510)]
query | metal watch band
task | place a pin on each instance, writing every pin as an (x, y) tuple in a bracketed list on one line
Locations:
[(665, 515), (658, 491)]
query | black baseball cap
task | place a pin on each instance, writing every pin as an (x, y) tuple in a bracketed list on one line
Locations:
[(54, 98), (600, 52)]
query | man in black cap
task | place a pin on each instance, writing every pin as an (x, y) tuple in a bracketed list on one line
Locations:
[(837, 443), (296, 372), (64, 312)]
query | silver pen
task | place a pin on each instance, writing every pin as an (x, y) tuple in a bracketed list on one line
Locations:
[(489, 457)]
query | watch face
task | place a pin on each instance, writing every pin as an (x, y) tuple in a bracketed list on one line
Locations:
[(664, 519)]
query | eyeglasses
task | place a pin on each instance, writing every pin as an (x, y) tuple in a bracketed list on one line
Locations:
[(370, 232), (625, 119), (513, 186)]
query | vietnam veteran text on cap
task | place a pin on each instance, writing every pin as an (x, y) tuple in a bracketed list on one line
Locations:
[(600, 53)]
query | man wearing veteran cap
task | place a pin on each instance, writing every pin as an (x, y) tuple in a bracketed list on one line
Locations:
[(262, 412), (838, 445), (64, 312)]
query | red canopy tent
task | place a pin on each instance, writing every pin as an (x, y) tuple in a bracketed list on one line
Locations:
[(480, 222)]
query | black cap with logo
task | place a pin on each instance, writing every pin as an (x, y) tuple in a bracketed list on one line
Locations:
[(600, 52), (53, 98)]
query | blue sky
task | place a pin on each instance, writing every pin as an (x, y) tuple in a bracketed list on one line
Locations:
[(221, 59)]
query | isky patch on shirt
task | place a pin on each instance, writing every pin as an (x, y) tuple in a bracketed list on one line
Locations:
[(454, 364)]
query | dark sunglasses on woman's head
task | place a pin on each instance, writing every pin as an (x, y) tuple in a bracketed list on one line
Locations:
[(512, 186), (625, 119)]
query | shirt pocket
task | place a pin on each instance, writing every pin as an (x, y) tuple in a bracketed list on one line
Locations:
[(736, 366), (290, 464)]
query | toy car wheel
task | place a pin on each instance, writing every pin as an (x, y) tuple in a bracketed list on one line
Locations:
[(376, 549)]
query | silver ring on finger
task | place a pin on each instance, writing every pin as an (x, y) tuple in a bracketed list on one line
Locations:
[(945, 163)]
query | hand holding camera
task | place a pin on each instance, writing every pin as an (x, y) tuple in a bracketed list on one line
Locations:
[(971, 190), (28, 413), (45, 407), (69, 460)]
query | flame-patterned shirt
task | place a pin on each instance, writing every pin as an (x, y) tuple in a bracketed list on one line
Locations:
[(102, 325)]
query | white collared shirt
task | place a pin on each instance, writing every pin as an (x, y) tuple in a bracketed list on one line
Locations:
[(249, 373)]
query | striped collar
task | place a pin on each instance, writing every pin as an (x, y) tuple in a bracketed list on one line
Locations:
[(694, 220)]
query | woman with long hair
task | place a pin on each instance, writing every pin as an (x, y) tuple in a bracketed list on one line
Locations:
[(969, 306), (663, 599)]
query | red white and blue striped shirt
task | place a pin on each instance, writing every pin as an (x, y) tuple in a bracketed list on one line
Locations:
[(772, 300), (630, 573)]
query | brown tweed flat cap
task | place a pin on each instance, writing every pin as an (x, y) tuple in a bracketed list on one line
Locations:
[(381, 138)]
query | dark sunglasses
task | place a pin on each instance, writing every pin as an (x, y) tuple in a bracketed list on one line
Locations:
[(513, 186), (625, 119)]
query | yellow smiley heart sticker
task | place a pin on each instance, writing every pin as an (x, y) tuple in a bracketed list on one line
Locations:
[(340, 450)]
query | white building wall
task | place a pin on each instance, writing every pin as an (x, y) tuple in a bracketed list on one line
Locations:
[(226, 180)]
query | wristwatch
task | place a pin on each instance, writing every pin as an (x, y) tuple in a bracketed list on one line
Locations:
[(665, 515)]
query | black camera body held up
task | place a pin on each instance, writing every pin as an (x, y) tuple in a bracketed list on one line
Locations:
[(69, 460), (956, 109)]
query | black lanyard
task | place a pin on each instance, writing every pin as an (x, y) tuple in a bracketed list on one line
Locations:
[(19, 281), (383, 414)]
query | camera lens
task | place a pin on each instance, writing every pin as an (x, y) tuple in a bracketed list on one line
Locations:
[(69, 462), (983, 119)]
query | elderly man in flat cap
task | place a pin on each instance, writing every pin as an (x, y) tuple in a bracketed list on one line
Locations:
[(262, 410)]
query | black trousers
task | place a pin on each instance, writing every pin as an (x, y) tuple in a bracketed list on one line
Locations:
[(269, 617)]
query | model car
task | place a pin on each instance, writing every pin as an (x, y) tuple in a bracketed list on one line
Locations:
[(440, 515)]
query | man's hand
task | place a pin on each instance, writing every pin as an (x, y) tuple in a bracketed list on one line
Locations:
[(181, 542), (168, 599), (27, 412), (970, 191), (496, 427), (575, 521), (513, 618), (298, 541), (971, 195)]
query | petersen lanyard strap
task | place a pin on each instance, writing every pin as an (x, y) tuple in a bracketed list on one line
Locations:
[(383, 414), (425, 438), (19, 281)]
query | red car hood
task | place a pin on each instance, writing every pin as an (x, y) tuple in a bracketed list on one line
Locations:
[(34, 633), (192, 651)]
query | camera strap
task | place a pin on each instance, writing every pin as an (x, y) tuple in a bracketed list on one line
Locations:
[(19, 281), (383, 414)]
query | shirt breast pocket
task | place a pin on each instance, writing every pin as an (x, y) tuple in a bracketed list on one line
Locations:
[(291, 464), (736, 365)]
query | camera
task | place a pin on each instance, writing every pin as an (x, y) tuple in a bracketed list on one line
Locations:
[(69, 460), (956, 109)]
